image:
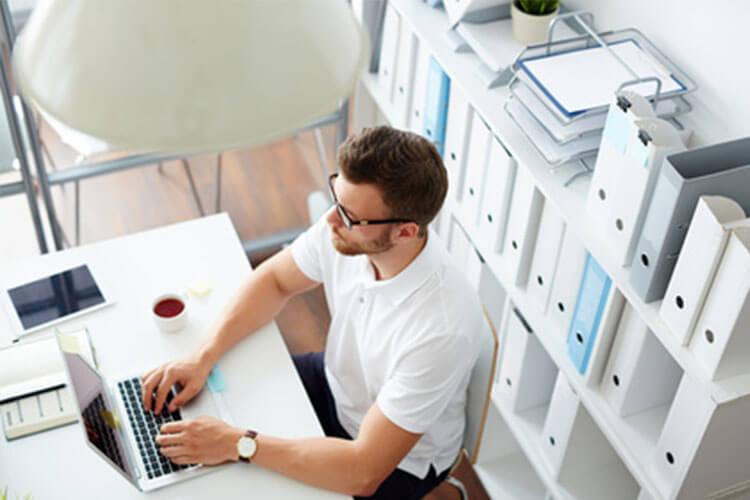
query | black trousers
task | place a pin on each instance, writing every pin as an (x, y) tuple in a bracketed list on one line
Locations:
[(400, 485)]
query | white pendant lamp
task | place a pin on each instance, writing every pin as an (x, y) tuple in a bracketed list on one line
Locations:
[(188, 75)]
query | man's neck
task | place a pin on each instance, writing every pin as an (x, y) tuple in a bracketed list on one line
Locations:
[(388, 264)]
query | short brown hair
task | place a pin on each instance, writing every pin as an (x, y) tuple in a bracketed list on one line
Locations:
[(405, 167)]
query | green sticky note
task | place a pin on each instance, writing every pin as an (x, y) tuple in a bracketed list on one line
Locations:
[(216, 382)]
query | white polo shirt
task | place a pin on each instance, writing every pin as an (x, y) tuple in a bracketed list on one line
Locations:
[(408, 343)]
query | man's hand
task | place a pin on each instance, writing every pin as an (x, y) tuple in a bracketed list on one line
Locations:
[(191, 373), (204, 440)]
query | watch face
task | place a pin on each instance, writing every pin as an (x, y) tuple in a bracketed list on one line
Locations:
[(246, 447)]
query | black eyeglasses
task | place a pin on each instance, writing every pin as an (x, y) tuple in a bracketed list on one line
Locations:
[(348, 221)]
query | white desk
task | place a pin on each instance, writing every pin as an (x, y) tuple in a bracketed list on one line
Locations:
[(263, 390)]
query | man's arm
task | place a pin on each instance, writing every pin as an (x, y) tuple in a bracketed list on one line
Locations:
[(259, 300), (352, 467)]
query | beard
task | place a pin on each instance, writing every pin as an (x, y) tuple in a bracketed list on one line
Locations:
[(378, 245)]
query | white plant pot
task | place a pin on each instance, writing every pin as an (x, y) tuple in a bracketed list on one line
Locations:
[(528, 28)]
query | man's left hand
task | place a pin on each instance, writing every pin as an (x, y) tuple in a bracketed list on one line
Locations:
[(205, 440)]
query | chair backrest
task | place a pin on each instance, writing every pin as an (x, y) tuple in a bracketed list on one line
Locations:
[(480, 389)]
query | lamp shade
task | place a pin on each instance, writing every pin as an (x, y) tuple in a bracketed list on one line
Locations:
[(188, 75)]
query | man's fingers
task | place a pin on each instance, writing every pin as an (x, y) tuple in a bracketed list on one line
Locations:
[(148, 385), (184, 460), (175, 439), (186, 394), (172, 427), (147, 374), (173, 451), (165, 385)]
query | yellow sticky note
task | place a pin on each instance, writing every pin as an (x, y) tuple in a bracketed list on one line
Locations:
[(200, 287), (69, 344), (112, 421)]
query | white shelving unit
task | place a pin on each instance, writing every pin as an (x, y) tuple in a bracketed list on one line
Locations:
[(637, 441)]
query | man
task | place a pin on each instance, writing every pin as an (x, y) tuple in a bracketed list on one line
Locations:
[(390, 389)]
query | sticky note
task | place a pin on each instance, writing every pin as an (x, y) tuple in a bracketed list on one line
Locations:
[(69, 344), (200, 288), (112, 421), (216, 382)]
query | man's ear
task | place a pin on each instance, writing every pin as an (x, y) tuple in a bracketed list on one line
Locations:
[(407, 230)]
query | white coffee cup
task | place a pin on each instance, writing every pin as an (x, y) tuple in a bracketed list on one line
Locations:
[(170, 311)]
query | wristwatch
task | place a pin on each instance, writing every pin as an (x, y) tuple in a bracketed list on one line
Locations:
[(246, 446)]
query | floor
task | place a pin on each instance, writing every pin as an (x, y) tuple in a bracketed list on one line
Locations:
[(264, 191)]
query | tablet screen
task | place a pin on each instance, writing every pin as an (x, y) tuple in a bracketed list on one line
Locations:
[(55, 297)]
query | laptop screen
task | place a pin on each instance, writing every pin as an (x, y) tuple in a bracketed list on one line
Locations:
[(97, 415)]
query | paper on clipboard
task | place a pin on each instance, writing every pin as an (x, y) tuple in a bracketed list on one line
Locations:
[(580, 80), (552, 153)]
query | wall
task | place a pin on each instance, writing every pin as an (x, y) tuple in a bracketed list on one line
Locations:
[(708, 40)]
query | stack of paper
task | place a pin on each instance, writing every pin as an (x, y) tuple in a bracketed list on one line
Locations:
[(560, 93)]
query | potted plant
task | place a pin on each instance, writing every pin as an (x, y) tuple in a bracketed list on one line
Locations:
[(531, 19)]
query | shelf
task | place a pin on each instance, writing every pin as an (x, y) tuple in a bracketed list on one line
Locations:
[(377, 92), (612, 481), (430, 25), (511, 478), (528, 436), (607, 481), (628, 444), (533, 419), (633, 438)]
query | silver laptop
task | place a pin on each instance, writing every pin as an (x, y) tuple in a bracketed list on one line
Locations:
[(118, 429)]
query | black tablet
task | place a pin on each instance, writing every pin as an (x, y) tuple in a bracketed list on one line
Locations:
[(56, 297)]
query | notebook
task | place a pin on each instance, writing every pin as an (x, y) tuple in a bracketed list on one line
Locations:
[(33, 396)]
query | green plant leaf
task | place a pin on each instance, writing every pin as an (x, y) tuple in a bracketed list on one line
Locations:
[(538, 7)]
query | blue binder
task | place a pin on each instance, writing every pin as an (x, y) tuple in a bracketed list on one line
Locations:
[(436, 104), (587, 316)]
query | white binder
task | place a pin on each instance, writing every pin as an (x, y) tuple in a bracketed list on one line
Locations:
[(501, 172), (416, 118), (389, 51), (405, 67), (721, 342), (626, 108), (559, 423), (646, 149), (567, 279), (640, 374), (523, 223), (474, 268), (456, 140), (493, 296), (546, 255), (700, 255), (683, 431), (476, 165), (458, 244), (527, 374), (458, 10)]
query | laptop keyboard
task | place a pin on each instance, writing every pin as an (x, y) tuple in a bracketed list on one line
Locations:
[(146, 426)]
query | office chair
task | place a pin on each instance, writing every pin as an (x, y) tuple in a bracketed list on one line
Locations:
[(478, 399), (87, 148)]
